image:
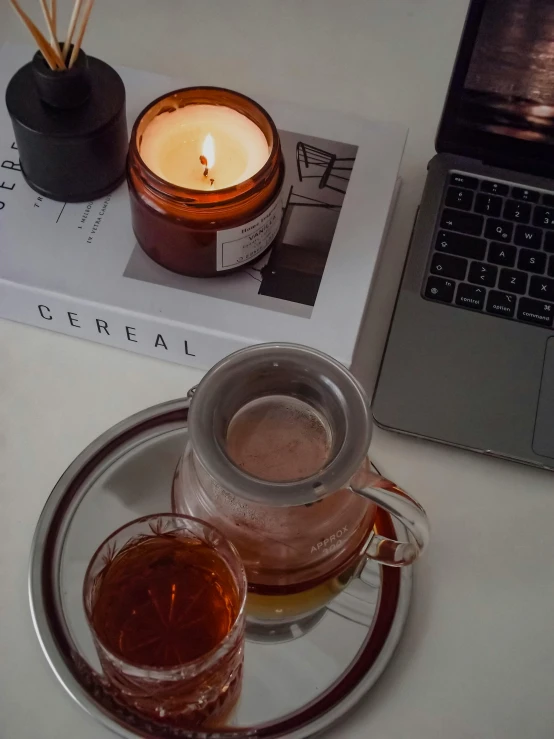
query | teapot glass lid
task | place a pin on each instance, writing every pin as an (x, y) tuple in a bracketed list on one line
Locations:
[(280, 424)]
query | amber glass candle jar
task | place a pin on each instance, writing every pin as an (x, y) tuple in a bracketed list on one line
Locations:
[(205, 230)]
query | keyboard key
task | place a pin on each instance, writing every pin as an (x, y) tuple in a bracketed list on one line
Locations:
[(543, 217), (528, 236), (502, 254), (516, 211), (549, 242), (447, 266), (529, 196), (499, 230), (458, 220), (548, 199), (551, 267), (501, 304), (458, 198), (482, 274), (471, 296), (541, 288), (531, 261), (463, 180), (512, 281), (535, 311), (440, 289), (495, 188), (490, 205), (461, 245)]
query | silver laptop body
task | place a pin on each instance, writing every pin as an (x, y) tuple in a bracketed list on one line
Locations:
[(470, 354)]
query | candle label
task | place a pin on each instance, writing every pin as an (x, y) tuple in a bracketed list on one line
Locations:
[(236, 246)]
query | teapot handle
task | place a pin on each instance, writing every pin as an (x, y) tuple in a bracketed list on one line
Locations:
[(395, 501)]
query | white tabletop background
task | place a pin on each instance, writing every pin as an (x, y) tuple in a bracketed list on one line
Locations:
[(477, 657)]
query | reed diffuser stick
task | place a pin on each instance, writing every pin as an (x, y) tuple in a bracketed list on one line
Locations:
[(48, 18), (41, 42), (54, 18), (71, 27), (53, 41), (79, 41)]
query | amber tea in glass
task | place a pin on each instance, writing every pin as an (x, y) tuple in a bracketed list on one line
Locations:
[(164, 597)]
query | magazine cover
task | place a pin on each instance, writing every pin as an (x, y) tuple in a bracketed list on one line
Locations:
[(76, 267)]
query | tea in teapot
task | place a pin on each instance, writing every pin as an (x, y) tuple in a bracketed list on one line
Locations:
[(277, 461)]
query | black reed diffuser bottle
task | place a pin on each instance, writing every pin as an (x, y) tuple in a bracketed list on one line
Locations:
[(68, 116)]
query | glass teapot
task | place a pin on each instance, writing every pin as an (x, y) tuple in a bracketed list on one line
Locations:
[(277, 460)]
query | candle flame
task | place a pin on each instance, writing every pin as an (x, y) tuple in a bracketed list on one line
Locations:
[(208, 151)]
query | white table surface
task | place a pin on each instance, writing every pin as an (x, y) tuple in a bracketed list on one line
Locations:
[(477, 656)]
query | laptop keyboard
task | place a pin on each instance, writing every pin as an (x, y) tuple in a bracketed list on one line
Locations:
[(494, 250)]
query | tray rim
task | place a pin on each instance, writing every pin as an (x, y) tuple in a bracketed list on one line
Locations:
[(59, 663)]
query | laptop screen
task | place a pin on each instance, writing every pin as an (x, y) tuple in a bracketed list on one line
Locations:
[(501, 98)]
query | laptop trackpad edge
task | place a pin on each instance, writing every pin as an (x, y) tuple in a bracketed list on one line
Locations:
[(543, 439)]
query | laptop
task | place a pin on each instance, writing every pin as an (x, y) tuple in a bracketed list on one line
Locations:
[(469, 359)]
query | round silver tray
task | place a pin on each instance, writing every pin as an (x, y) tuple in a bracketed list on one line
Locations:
[(295, 686)]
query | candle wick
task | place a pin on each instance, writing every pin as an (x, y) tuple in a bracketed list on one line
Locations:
[(212, 182), (204, 163)]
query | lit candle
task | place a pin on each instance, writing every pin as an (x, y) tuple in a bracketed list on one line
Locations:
[(225, 150), (204, 147)]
